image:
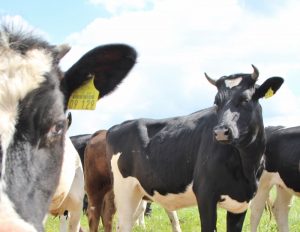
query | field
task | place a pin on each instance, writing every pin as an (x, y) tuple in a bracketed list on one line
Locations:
[(189, 221)]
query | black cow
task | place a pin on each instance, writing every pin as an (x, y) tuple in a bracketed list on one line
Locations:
[(80, 142), (33, 96), (282, 169), (207, 158)]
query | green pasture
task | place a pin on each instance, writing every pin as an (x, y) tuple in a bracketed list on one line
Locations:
[(189, 221)]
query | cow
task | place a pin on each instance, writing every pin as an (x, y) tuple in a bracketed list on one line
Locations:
[(208, 158), (34, 93), (80, 142), (282, 160), (67, 201), (98, 186)]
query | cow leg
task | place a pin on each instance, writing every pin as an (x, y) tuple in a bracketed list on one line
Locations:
[(126, 208), (281, 208), (139, 214), (107, 211), (74, 221), (208, 213), (258, 203), (174, 220), (93, 213), (63, 219), (148, 209), (127, 197), (235, 221)]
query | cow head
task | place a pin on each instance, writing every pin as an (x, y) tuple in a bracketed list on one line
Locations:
[(33, 96), (238, 110)]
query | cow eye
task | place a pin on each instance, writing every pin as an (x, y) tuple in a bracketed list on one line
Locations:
[(58, 128), (245, 100)]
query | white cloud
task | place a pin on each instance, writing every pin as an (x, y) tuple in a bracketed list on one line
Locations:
[(177, 42)]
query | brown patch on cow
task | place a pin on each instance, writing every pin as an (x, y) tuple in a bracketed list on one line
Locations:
[(98, 183), (56, 201)]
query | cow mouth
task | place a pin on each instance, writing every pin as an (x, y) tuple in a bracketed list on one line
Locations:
[(224, 141)]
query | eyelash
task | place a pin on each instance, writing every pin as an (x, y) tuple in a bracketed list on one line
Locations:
[(58, 128)]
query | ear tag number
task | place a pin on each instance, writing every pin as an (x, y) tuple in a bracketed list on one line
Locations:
[(269, 93), (85, 97)]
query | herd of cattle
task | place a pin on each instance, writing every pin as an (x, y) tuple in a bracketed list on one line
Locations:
[(222, 156)]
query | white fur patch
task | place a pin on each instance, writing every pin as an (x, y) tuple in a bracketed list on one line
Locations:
[(274, 179), (131, 184), (176, 201), (231, 119), (230, 83), (232, 205), (71, 162), (19, 75), (9, 217)]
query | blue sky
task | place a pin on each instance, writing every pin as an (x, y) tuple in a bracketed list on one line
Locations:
[(177, 41), (57, 18)]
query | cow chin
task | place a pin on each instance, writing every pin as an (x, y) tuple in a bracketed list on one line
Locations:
[(230, 140), (224, 141)]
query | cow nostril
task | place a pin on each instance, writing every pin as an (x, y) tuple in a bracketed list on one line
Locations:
[(222, 133), (226, 131)]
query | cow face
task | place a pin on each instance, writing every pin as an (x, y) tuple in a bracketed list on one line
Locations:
[(239, 113), (33, 96)]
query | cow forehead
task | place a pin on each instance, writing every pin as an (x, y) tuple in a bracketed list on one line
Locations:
[(230, 83), (235, 80), (19, 75)]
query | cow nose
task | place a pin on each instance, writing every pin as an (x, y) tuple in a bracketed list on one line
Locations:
[(221, 133)]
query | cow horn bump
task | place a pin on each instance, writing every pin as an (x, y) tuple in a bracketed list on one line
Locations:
[(212, 81), (255, 73)]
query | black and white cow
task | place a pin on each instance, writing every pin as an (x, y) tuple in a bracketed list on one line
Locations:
[(33, 96), (80, 142), (207, 158), (67, 200), (282, 169)]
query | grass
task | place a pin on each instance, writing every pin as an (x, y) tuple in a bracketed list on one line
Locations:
[(189, 221)]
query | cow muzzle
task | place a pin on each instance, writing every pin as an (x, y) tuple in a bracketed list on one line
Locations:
[(222, 133)]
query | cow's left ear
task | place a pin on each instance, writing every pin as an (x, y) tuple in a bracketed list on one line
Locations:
[(268, 88), (108, 64)]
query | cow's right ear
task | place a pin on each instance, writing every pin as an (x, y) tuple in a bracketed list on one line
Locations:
[(108, 64)]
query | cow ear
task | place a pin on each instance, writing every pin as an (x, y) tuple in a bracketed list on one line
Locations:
[(69, 119), (61, 51), (268, 88), (108, 64)]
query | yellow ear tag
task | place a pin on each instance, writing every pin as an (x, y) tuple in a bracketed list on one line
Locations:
[(85, 97), (269, 93)]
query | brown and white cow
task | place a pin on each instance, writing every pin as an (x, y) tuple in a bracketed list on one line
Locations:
[(98, 183), (33, 96)]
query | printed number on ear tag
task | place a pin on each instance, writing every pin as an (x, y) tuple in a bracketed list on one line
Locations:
[(269, 93), (85, 97)]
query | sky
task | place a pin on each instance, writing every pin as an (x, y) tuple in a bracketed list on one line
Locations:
[(177, 41)]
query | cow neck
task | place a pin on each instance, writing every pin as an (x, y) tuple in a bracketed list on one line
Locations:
[(251, 156)]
